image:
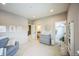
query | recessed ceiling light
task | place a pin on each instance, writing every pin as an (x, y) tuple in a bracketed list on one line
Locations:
[(34, 16), (51, 10), (3, 3)]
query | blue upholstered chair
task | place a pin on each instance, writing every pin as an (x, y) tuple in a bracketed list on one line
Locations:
[(3, 42), (12, 49)]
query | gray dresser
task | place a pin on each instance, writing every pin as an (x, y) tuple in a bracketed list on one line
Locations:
[(46, 39)]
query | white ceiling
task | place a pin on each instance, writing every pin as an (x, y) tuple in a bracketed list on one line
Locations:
[(38, 10)]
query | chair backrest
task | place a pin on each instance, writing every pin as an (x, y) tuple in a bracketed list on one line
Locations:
[(17, 44), (3, 42)]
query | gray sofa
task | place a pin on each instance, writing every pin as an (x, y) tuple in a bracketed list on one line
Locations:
[(11, 50), (46, 39)]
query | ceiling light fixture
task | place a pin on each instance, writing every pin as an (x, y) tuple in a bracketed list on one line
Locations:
[(51, 10), (34, 16), (3, 3)]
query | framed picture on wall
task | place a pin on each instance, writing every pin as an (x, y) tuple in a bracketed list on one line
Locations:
[(12, 28)]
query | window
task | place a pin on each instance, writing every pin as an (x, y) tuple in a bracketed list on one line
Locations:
[(2, 28)]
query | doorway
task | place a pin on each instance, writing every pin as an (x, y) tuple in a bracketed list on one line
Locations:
[(29, 31), (59, 31)]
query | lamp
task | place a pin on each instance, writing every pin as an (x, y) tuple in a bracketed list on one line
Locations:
[(38, 28)]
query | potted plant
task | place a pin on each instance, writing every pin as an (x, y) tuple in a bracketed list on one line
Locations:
[(62, 39), (63, 46)]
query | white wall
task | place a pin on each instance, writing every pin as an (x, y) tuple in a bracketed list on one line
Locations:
[(8, 19), (73, 15), (49, 22)]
